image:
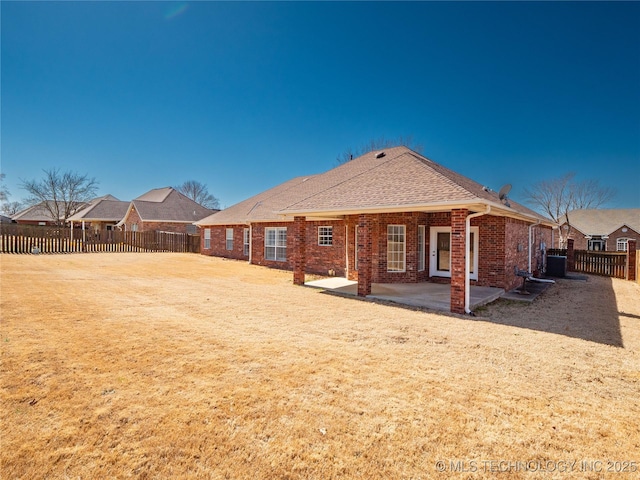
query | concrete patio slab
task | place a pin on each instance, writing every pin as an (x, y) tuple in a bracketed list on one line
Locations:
[(433, 296)]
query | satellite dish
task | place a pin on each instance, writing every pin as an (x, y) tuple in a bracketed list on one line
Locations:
[(502, 194)]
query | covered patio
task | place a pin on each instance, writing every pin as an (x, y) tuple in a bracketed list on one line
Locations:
[(434, 296)]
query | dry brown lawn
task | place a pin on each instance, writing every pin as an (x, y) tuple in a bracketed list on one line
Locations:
[(185, 366)]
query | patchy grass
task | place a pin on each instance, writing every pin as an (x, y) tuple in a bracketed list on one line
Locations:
[(184, 366)]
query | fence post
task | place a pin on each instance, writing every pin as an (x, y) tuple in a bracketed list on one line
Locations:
[(631, 260), (571, 258)]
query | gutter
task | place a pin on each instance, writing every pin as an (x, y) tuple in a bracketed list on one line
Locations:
[(467, 284)]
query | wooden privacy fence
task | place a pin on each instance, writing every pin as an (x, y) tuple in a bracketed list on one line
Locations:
[(609, 264), (39, 239)]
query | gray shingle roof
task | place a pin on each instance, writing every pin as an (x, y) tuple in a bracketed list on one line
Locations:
[(37, 213), (400, 178), (169, 205), (603, 221), (103, 209)]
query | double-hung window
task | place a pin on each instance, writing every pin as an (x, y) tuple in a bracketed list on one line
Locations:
[(275, 244), (325, 236), (207, 238), (229, 239), (396, 248), (245, 241)]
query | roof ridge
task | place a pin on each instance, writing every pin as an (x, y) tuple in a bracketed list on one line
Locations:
[(348, 179)]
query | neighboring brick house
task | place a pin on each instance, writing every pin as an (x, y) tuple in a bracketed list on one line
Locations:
[(100, 217), (40, 214), (601, 229), (385, 217), (163, 209)]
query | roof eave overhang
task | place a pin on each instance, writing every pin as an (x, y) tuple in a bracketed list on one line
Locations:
[(497, 209)]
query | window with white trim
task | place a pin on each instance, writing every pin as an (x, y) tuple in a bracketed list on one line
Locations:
[(396, 248), (325, 236), (229, 239), (134, 227), (275, 244), (622, 244), (421, 263), (245, 241), (207, 238)]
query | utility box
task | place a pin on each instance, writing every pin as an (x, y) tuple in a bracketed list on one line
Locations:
[(556, 266)]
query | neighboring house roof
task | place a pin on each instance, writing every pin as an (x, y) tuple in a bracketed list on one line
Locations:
[(5, 219), (36, 213), (167, 205), (603, 221), (103, 209), (395, 179)]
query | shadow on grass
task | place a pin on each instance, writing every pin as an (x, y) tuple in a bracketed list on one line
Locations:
[(574, 308)]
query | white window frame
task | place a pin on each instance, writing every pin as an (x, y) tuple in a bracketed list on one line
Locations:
[(421, 248), (245, 242), (207, 238), (275, 244), (228, 239), (433, 246), (134, 227), (325, 236), (396, 249), (624, 242)]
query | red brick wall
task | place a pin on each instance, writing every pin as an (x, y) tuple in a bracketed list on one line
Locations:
[(322, 258), (219, 242), (379, 247), (458, 264), (581, 243), (131, 218), (613, 237), (498, 247)]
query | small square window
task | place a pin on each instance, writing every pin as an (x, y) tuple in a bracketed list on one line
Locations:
[(325, 236)]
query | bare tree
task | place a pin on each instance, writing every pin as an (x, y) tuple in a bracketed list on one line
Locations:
[(378, 144), (199, 193), (4, 192), (11, 208), (558, 197), (60, 194)]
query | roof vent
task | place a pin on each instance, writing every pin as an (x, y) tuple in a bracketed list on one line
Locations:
[(380, 154)]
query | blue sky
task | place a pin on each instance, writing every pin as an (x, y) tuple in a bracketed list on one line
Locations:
[(243, 96)]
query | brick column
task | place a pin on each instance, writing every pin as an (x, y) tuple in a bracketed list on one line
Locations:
[(631, 260), (298, 256), (364, 246), (571, 258), (458, 244)]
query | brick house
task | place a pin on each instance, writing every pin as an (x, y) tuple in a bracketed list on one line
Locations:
[(601, 229), (40, 214), (163, 209), (386, 217), (100, 217)]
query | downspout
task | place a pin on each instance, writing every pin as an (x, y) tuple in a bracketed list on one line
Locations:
[(346, 250), (250, 242), (530, 229), (467, 284)]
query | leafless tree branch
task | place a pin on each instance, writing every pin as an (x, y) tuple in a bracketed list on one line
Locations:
[(60, 194), (199, 193)]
